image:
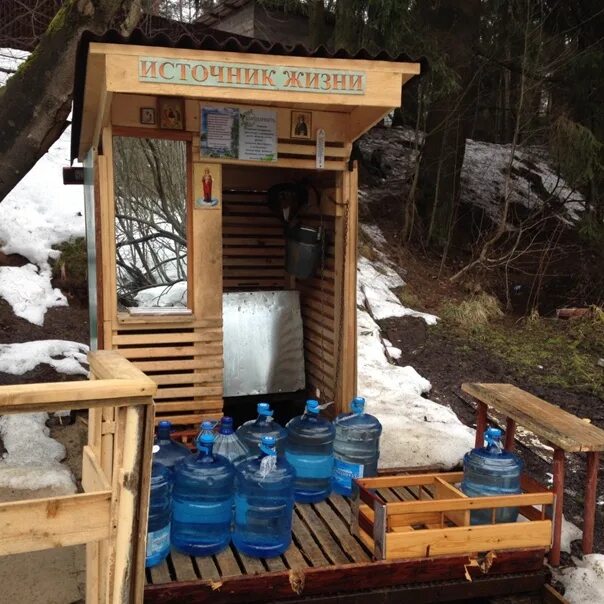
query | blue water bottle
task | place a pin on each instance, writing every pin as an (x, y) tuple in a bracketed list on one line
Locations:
[(166, 450), (228, 444), (158, 527), (356, 448), (202, 501), (264, 503), (490, 471), (309, 449), (251, 432)]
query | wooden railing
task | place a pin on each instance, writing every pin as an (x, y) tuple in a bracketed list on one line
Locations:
[(110, 515)]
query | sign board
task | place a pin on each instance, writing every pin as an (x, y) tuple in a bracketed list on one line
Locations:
[(247, 75), (230, 132)]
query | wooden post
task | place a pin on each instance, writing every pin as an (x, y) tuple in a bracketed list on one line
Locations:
[(554, 557), (589, 510), (481, 423), (510, 430)]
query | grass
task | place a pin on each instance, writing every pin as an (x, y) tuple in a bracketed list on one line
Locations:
[(552, 352)]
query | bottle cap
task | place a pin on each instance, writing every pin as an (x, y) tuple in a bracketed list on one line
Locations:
[(207, 426), (312, 406), (165, 424), (206, 439), (264, 409), (358, 404), (226, 425), (493, 433), (267, 445), (164, 428)]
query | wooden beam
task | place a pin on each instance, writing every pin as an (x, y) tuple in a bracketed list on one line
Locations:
[(36, 524), (589, 510), (55, 396), (558, 489)]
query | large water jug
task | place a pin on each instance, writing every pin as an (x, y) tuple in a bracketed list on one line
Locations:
[(166, 450), (202, 501), (492, 471), (264, 503), (309, 449), (251, 432), (158, 528), (356, 449), (228, 444)]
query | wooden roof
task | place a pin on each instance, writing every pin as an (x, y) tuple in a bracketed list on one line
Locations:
[(109, 64)]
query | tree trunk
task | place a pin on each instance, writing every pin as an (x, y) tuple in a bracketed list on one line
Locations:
[(456, 25), (35, 102)]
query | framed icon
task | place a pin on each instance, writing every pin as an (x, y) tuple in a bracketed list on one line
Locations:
[(301, 124), (207, 185), (147, 115), (171, 113)]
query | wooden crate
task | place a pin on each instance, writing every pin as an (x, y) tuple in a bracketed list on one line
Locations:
[(421, 515)]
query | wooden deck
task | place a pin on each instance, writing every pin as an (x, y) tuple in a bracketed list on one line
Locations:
[(325, 558), (321, 537)]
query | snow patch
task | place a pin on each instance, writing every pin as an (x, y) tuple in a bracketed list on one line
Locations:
[(32, 458), (375, 284), (64, 356), (40, 211), (163, 296), (584, 583), (10, 59), (416, 431), (29, 291), (570, 533)]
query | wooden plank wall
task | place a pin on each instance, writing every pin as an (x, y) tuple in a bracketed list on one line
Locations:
[(253, 244), (184, 360), (317, 296)]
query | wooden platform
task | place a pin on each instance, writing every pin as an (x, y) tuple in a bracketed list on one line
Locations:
[(324, 558)]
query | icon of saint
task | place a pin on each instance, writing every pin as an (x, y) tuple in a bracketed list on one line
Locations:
[(206, 181), (301, 128)]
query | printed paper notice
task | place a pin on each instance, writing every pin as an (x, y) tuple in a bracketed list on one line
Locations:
[(258, 135), (247, 134), (219, 132)]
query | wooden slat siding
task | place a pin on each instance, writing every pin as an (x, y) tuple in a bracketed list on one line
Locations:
[(317, 528), (558, 427), (227, 563), (160, 573), (183, 566), (185, 362), (207, 568), (341, 532), (253, 244), (317, 296), (309, 548)]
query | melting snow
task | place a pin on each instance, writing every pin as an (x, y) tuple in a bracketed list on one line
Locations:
[(416, 430), (585, 583), (32, 459), (64, 356), (28, 290)]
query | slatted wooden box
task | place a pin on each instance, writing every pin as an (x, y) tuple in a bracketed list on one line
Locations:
[(432, 517)]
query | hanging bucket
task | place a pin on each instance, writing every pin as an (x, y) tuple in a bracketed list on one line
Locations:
[(303, 251)]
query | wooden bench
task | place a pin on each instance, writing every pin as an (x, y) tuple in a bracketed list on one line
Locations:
[(565, 432)]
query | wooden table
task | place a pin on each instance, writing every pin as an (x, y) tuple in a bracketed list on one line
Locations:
[(565, 432)]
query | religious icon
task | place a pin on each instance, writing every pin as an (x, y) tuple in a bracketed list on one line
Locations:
[(147, 115), (301, 122), (171, 113), (207, 199)]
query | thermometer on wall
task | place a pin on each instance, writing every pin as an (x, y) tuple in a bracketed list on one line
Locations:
[(320, 148)]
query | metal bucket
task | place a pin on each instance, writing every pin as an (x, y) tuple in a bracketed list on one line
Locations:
[(303, 251)]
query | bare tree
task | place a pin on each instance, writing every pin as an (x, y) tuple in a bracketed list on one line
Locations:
[(150, 218)]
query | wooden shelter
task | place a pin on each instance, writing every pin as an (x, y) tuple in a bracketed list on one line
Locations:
[(159, 90)]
